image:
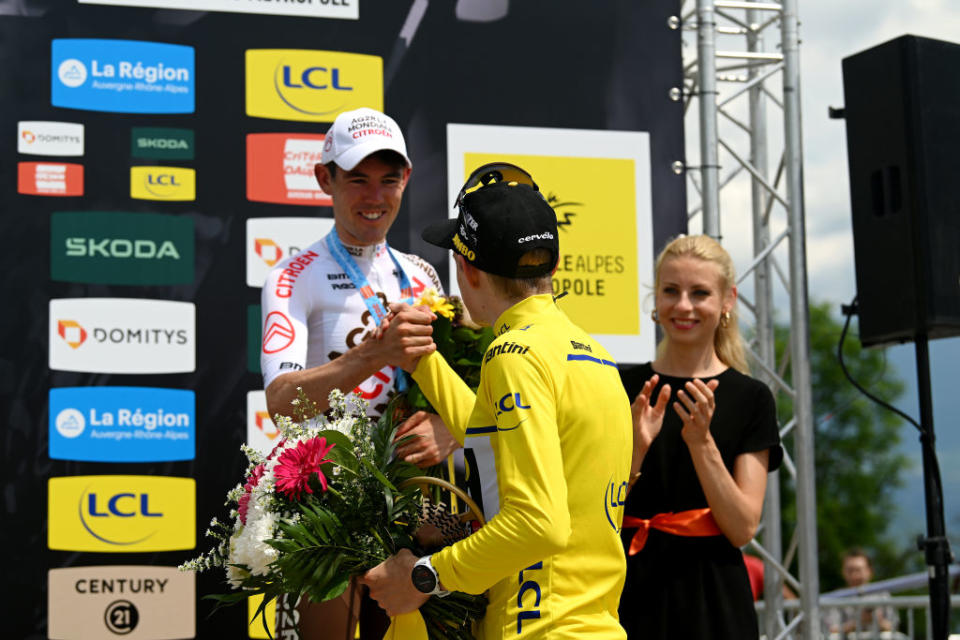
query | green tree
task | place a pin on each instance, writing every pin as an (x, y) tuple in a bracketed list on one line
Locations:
[(858, 465)]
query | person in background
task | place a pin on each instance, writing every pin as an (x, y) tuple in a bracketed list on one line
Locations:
[(858, 571), (705, 437)]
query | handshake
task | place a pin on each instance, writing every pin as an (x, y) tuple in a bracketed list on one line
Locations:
[(405, 335)]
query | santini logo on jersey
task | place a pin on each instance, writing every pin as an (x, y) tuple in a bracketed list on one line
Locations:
[(505, 347)]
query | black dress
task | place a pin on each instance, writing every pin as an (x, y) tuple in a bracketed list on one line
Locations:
[(693, 588)]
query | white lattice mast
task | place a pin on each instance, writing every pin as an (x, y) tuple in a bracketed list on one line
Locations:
[(743, 49)]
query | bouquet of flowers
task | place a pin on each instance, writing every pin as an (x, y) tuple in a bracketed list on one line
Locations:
[(328, 503)]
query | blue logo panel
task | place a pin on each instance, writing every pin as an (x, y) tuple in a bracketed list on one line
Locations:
[(123, 76), (122, 424)]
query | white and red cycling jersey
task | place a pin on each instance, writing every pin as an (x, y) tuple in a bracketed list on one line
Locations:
[(312, 312)]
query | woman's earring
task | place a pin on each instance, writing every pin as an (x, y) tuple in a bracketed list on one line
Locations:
[(655, 316), (725, 319)]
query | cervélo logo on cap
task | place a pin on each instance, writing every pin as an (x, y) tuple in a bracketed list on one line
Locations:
[(121, 248), (162, 143), (122, 335), (137, 602), (271, 240), (163, 183), (121, 514), (123, 76), (311, 85), (41, 138), (49, 179), (262, 434), (122, 424), (280, 168)]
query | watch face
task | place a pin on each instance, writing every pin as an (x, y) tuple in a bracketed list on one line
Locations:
[(423, 579)]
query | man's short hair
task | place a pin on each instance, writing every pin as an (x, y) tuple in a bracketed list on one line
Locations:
[(521, 288)]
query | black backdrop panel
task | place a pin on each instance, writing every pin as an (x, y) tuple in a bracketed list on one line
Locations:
[(601, 65)]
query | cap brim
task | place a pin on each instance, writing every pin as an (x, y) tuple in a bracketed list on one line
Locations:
[(350, 158), (441, 233)]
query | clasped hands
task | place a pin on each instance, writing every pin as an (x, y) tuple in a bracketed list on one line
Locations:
[(695, 405), (404, 337)]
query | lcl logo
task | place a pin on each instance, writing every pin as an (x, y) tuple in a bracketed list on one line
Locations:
[(314, 78), (163, 180), (121, 513), (141, 505)]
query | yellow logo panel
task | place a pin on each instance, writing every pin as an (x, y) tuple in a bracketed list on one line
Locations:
[(311, 85), (595, 202), (255, 624), (163, 183), (121, 514)]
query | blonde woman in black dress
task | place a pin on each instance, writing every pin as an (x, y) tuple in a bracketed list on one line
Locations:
[(705, 437)]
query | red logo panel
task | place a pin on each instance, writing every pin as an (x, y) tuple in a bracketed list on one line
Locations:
[(278, 332), (50, 178), (280, 168)]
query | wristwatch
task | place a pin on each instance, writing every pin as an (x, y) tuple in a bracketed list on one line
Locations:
[(425, 578)]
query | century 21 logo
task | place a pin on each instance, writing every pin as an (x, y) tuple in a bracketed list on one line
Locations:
[(311, 85), (121, 513)]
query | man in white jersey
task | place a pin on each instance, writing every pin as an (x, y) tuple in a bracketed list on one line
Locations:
[(320, 307)]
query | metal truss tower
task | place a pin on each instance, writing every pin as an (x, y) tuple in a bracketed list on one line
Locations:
[(746, 64)]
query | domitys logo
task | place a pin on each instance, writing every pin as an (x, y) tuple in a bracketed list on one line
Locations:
[(41, 138), (268, 250), (71, 332)]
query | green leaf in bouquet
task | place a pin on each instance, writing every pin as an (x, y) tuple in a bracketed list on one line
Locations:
[(465, 334), (485, 339), (228, 598), (416, 399), (342, 454), (377, 473), (442, 330)]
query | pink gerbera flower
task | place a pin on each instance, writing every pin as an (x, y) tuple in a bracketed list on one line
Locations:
[(296, 466)]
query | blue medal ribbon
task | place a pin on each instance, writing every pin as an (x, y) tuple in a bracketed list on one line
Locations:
[(374, 305)]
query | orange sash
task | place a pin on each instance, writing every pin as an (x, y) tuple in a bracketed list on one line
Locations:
[(696, 522)]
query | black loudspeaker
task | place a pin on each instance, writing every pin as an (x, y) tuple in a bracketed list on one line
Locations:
[(902, 111)]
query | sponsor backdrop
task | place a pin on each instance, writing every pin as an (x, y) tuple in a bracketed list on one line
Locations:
[(159, 161)]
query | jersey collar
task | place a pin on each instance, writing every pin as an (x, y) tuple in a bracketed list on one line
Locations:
[(368, 252), (523, 314)]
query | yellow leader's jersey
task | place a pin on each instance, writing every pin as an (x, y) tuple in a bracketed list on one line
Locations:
[(554, 417)]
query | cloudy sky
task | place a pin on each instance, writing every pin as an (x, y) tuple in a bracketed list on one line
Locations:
[(830, 31)]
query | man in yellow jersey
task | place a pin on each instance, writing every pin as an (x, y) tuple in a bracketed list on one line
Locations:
[(555, 424)]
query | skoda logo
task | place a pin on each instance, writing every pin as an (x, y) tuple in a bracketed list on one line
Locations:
[(72, 72)]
